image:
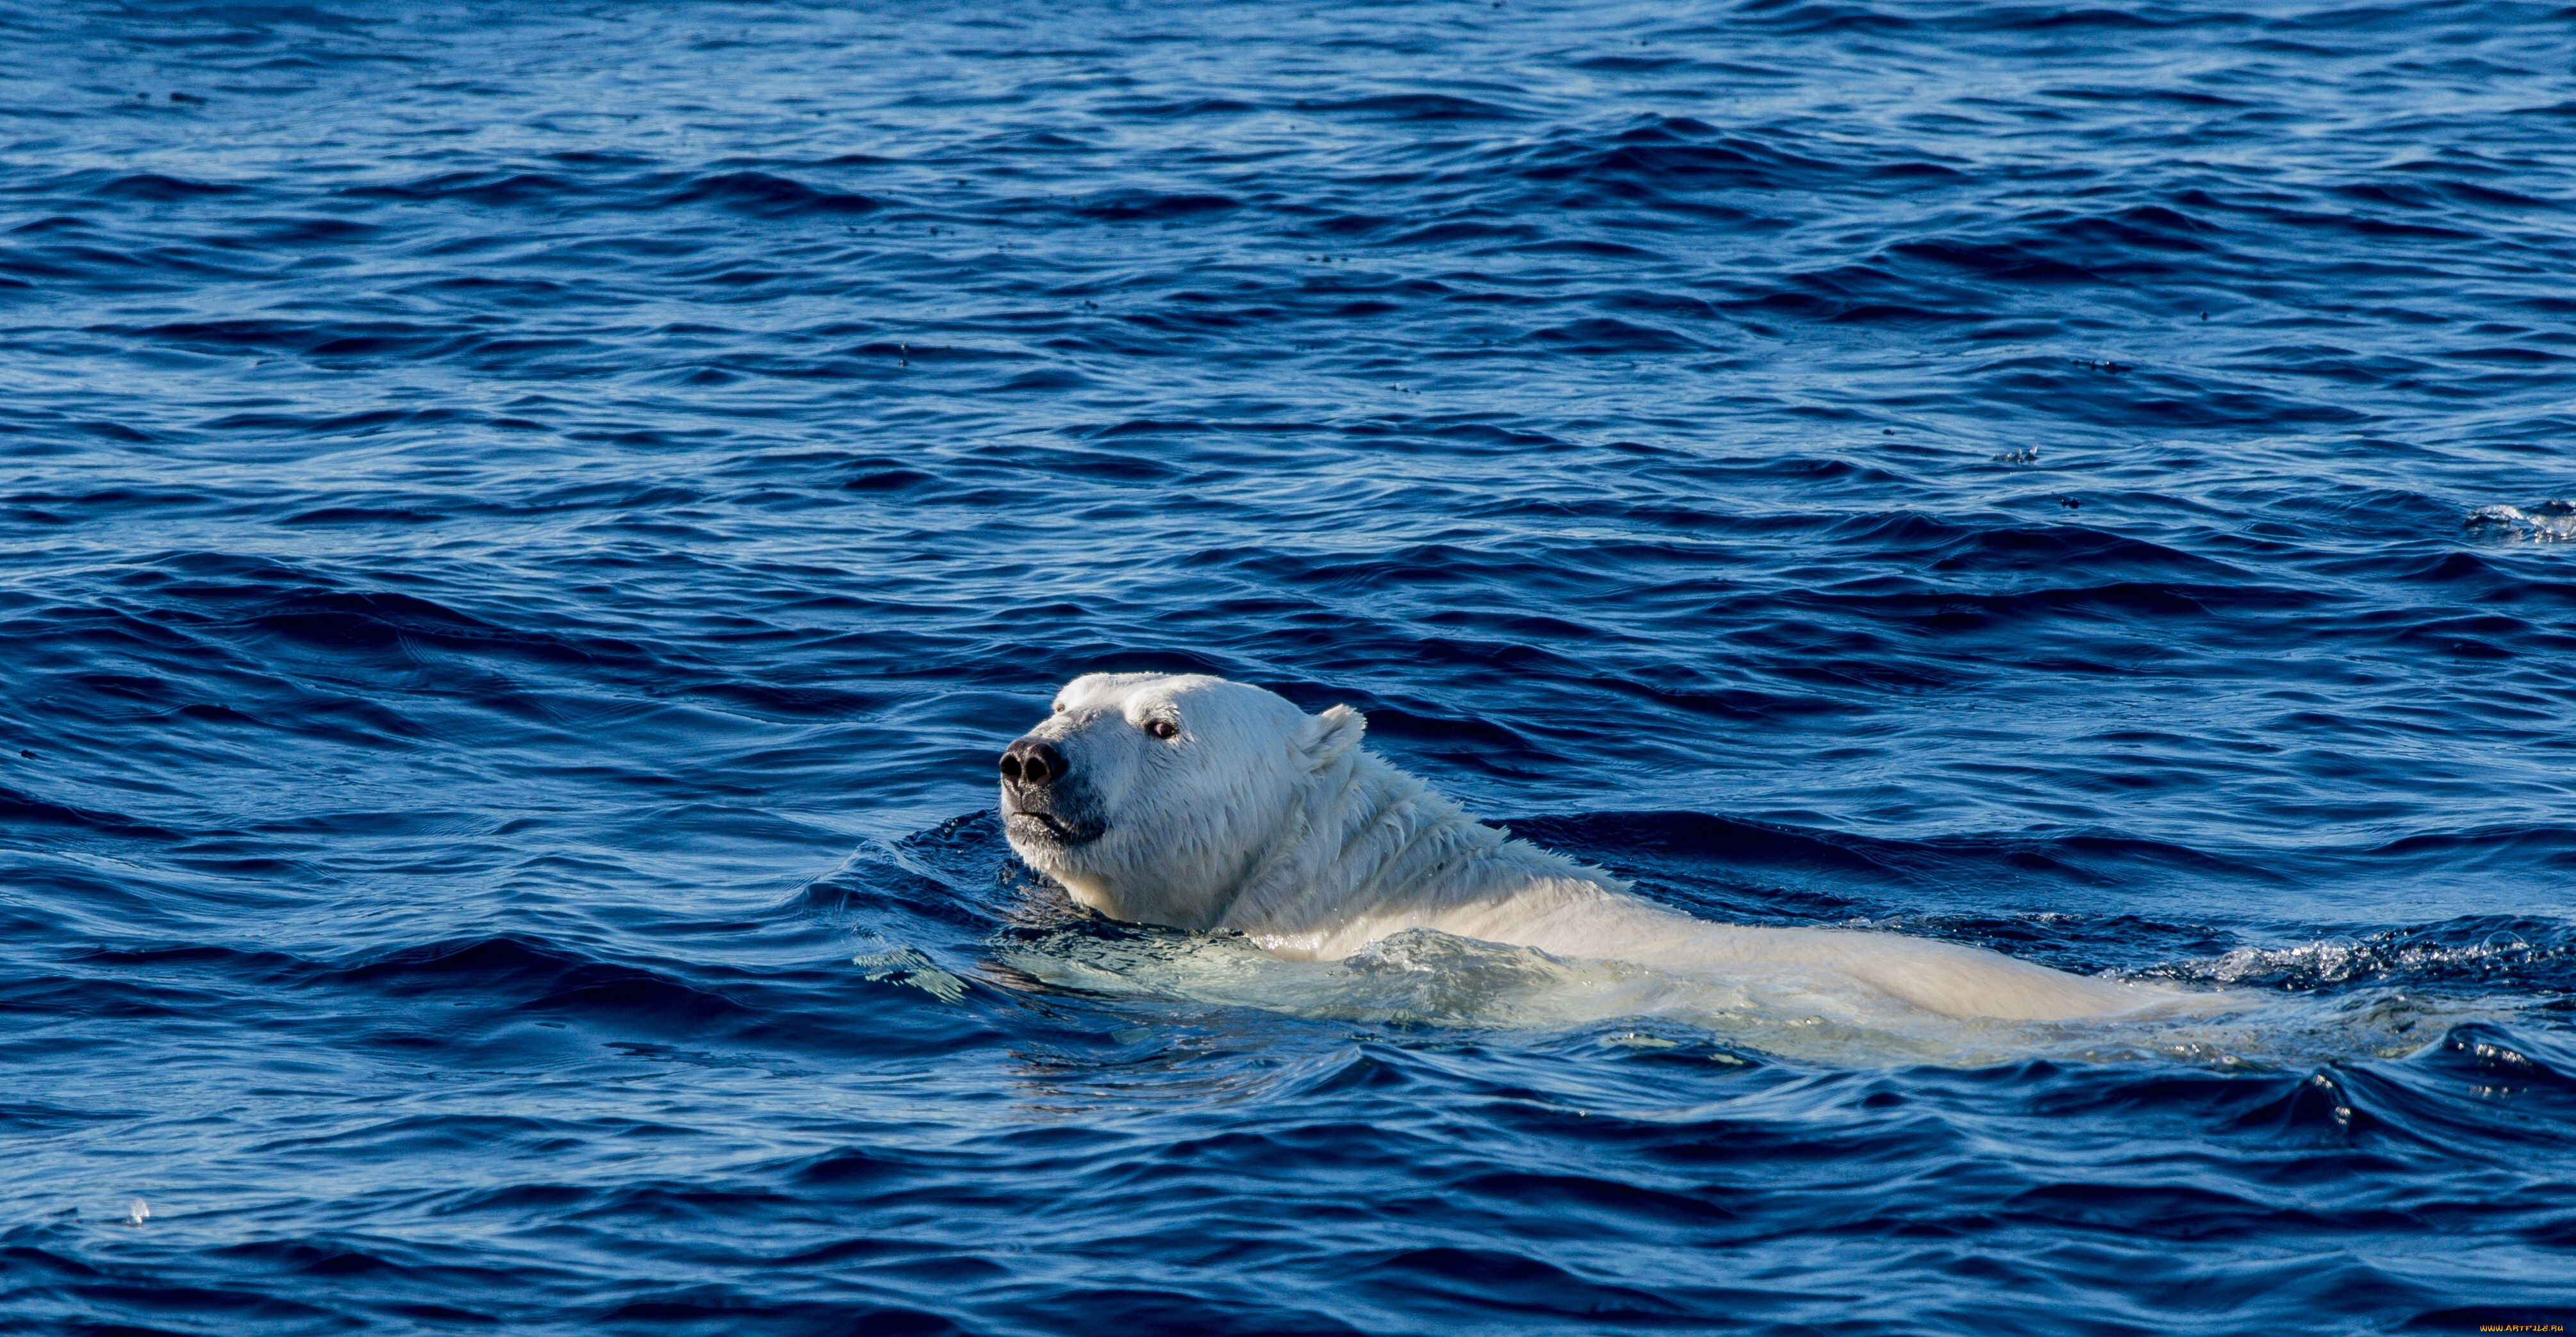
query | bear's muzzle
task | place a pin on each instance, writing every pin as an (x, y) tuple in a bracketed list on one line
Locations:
[(1042, 801)]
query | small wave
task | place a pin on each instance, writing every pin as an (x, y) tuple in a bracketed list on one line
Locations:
[(489, 188), (1147, 207), (159, 189), (764, 195), (1412, 107)]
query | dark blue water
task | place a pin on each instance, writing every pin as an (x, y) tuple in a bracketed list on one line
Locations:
[(525, 527)]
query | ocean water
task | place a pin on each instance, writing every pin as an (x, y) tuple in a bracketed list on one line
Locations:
[(524, 527)]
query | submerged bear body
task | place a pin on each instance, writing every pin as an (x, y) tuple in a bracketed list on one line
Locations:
[(1206, 804)]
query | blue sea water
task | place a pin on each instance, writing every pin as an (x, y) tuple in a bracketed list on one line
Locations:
[(526, 526)]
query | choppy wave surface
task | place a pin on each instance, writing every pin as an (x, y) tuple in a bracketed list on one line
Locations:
[(525, 526)]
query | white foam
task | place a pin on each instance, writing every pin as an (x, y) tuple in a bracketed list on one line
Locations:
[(2548, 522)]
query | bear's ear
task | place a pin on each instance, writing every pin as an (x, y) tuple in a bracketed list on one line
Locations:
[(1331, 736)]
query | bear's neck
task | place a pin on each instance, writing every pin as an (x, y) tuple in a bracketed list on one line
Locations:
[(1366, 838)]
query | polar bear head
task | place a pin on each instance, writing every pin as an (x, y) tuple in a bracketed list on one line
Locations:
[(1152, 796)]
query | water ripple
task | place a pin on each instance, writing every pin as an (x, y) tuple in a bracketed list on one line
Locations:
[(525, 529)]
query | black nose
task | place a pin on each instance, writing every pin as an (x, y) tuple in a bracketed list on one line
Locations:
[(1029, 762)]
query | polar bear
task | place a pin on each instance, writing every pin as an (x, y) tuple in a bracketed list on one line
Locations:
[(1199, 803)]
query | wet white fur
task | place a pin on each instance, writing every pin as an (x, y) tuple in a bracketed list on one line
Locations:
[(1258, 817)]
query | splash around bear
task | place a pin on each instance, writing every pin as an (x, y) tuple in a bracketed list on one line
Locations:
[(1199, 803)]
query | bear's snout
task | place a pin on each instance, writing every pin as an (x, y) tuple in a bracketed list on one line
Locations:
[(1032, 762), (1043, 802)]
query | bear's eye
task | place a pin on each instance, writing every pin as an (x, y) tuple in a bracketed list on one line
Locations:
[(1162, 728)]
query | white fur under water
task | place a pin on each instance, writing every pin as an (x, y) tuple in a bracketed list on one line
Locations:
[(1423, 977)]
